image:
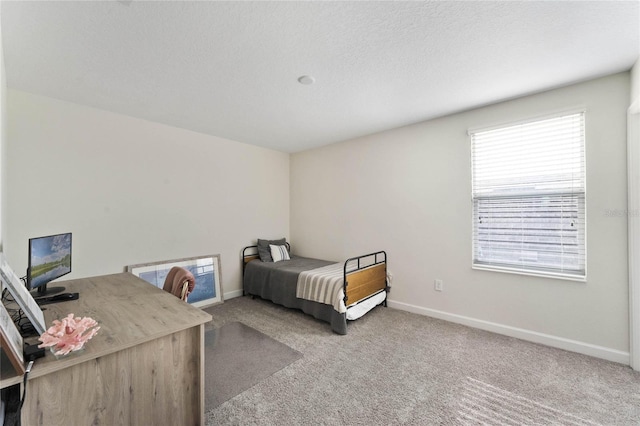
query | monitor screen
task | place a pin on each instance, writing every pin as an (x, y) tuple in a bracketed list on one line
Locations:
[(49, 258)]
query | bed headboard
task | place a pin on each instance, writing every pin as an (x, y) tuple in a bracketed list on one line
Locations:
[(250, 253)]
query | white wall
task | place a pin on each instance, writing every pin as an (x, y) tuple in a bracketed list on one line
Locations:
[(408, 191), (3, 96), (635, 83), (633, 171), (133, 191)]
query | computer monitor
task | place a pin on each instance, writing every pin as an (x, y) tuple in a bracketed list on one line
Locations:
[(49, 259)]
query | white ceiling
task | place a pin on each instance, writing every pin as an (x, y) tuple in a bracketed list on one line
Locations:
[(230, 69)]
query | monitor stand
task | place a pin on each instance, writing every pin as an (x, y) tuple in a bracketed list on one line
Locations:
[(44, 290)]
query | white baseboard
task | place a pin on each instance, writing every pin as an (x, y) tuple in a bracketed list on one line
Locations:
[(531, 336), (231, 294)]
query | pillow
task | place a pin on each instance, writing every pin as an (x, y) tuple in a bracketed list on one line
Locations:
[(264, 251), (279, 253)]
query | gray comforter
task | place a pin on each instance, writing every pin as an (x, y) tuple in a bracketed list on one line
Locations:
[(277, 281)]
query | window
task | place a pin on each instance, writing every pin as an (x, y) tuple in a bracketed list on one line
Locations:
[(529, 197)]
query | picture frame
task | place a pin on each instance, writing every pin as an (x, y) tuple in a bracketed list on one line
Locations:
[(205, 269), (11, 341), (21, 295)]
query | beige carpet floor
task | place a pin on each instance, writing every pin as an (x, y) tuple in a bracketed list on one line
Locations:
[(398, 368)]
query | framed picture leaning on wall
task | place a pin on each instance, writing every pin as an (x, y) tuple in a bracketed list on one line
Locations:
[(205, 269)]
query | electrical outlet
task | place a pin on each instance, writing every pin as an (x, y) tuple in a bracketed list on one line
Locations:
[(437, 285)]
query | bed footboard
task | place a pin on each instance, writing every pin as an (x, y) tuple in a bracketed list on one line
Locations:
[(365, 276)]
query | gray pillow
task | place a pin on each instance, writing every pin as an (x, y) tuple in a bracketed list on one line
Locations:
[(264, 251)]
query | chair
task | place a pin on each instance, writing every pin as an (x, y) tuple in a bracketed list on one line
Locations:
[(179, 282)]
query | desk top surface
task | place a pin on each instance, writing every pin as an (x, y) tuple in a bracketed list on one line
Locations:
[(128, 310)]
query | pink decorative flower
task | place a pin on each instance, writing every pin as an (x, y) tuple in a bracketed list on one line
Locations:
[(69, 335)]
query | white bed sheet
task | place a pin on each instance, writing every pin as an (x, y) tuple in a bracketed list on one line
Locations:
[(359, 309)]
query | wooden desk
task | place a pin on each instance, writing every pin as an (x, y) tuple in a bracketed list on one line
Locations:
[(145, 366)]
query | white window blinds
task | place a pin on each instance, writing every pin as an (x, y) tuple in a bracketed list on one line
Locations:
[(529, 197)]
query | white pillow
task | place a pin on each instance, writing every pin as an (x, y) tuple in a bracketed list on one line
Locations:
[(279, 253)]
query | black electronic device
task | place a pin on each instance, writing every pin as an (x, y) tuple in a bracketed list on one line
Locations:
[(49, 259), (32, 352), (62, 297)]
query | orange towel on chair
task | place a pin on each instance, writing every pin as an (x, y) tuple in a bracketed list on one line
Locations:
[(175, 280)]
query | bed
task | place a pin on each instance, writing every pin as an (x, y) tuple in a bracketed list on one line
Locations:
[(329, 291)]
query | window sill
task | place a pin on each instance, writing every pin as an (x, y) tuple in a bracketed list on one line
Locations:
[(530, 273)]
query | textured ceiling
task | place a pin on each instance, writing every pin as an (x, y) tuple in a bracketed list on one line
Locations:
[(230, 69)]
